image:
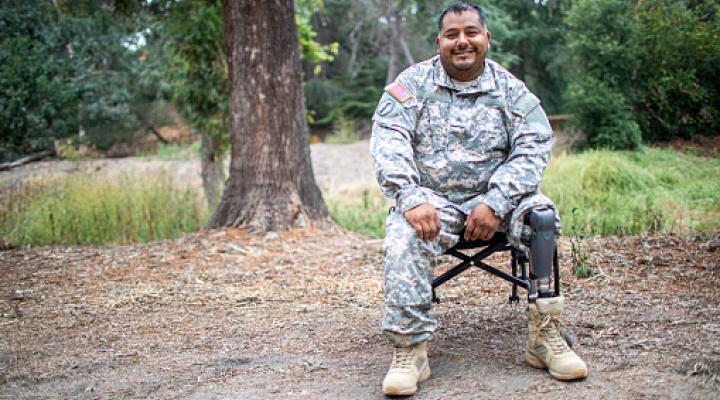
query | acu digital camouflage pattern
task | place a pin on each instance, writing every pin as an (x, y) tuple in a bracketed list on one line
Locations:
[(453, 147)]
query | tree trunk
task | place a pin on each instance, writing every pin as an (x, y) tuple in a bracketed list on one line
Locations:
[(271, 186), (211, 170), (396, 44)]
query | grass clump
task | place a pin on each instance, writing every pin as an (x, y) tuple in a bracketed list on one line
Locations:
[(87, 210), (627, 193), (364, 213)]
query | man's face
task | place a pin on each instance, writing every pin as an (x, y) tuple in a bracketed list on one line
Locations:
[(462, 44)]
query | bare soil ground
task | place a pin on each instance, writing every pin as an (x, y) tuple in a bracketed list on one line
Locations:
[(225, 315)]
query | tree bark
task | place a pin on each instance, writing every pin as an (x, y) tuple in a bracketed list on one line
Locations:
[(271, 186), (211, 170)]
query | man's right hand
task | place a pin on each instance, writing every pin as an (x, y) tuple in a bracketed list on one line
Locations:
[(425, 219)]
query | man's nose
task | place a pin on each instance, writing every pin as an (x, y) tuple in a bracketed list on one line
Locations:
[(462, 40)]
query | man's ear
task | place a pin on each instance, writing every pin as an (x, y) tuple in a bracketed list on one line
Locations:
[(487, 34), (437, 43)]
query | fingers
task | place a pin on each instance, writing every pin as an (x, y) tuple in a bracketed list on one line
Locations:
[(477, 229), (470, 227), (431, 226), (425, 220)]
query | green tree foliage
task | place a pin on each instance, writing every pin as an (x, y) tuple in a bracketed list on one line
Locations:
[(605, 53), (679, 73), (37, 102), (97, 42), (651, 67), (196, 69), (70, 67), (311, 51), (535, 38)]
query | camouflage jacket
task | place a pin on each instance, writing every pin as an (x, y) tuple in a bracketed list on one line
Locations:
[(448, 145)]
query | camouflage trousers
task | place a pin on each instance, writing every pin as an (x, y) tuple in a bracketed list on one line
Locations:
[(409, 269)]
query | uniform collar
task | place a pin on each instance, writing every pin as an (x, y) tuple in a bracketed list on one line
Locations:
[(482, 84)]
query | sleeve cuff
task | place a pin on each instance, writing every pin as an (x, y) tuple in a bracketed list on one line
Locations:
[(410, 198), (498, 202)]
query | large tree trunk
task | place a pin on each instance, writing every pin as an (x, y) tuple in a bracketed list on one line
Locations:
[(271, 186), (211, 170)]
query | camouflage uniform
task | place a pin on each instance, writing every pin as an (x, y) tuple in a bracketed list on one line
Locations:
[(453, 147)]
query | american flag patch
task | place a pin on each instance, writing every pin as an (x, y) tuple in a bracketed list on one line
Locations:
[(399, 91)]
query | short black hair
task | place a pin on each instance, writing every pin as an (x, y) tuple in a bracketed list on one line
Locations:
[(461, 7)]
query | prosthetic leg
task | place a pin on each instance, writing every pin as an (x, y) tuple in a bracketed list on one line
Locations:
[(548, 345), (542, 253)]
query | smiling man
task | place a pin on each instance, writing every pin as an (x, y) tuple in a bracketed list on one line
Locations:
[(461, 145)]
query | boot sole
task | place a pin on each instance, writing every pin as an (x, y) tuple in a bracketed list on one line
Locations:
[(538, 363), (399, 391)]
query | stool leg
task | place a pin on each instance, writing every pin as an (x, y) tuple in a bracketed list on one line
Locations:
[(522, 259), (513, 262), (556, 272)]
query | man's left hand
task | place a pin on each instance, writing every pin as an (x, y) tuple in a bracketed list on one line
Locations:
[(482, 223)]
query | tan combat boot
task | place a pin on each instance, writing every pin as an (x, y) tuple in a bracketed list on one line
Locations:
[(410, 366), (546, 346)]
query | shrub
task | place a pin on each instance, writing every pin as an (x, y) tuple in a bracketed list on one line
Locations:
[(603, 113)]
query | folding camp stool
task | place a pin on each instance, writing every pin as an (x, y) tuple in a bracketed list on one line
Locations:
[(486, 248)]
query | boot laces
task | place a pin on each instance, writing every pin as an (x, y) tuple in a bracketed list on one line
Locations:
[(403, 357), (551, 329)]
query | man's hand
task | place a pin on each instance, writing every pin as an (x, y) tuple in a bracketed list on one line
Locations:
[(481, 223), (425, 219)]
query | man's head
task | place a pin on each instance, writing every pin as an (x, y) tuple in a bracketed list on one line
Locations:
[(462, 41)]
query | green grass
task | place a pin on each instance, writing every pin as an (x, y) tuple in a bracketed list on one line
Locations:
[(88, 210), (362, 212), (597, 193), (174, 152), (629, 193)]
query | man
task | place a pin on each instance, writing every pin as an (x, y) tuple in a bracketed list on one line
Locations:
[(461, 145)]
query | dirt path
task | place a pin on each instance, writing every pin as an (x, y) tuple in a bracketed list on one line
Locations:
[(335, 167), (222, 315)]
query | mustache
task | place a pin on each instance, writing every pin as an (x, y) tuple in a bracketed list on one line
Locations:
[(463, 49)]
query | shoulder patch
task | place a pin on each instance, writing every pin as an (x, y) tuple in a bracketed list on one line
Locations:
[(385, 108), (399, 91)]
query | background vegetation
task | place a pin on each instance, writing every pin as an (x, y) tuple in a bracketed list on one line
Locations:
[(84, 209), (100, 73), (597, 192)]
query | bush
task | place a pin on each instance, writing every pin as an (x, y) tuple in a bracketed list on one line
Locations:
[(88, 210), (603, 114)]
